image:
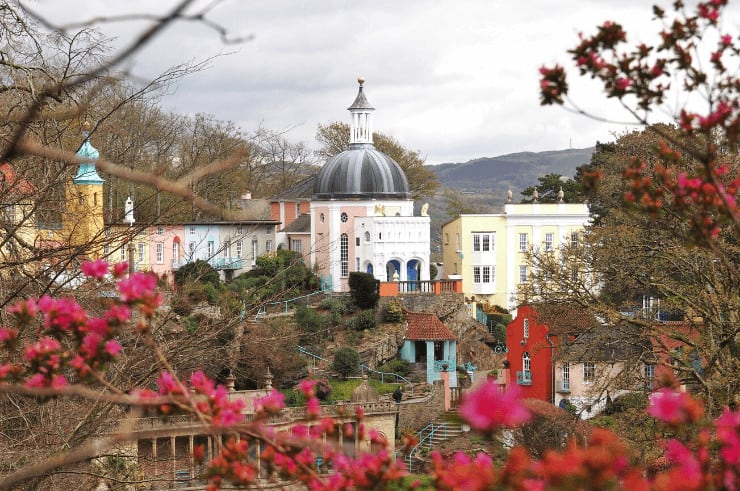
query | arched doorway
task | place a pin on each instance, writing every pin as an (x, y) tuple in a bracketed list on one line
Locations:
[(369, 268), (393, 267), (413, 270)]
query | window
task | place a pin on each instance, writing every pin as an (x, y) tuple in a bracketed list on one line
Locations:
[(574, 239), (548, 241), (357, 264), (457, 240), (589, 372), (526, 359), (160, 253), (175, 252), (486, 274), (566, 373), (574, 274), (254, 252), (297, 210), (322, 217), (476, 274), (297, 246), (447, 238), (367, 236), (141, 252), (522, 274), (191, 248), (227, 246), (476, 242), (268, 246), (160, 230), (344, 217), (344, 253), (192, 230), (211, 248), (486, 242), (107, 233), (106, 250), (526, 328), (649, 372), (523, 240), (123, 252), (239, 248), (357, 241)]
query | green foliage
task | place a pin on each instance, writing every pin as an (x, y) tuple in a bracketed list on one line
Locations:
[(393, 312), (401, 367), (191, 324), (433, 271), (364, 289), (342, 305), (308, 319), (346, 362), (364, 320), (212, 293), (549, 186), (199, 271)]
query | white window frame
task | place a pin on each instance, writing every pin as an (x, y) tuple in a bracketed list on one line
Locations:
[(589, 372), (268, 245), (140, 252), (522, 274), (211, 248), (239, 248), (549, 238), (525, 330), (476, 274), (523, 241), (160, 253), (192, 230), (297, 246), (255, 251), (526, 362), (486, 274), (574, 239), (175, 252), (344, 255), (476, 242)]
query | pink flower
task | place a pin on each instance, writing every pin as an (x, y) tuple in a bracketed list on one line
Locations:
[(120, 269), (306, 386), (728, 434), (167, 384), (623, 83), (487, 408), (136, 287), (668, 406), (313, 409), (271, 403), (95, 269), (7, 335), (689, 467), (112, 347)]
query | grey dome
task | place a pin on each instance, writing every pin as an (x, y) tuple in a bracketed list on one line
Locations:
[(362, 172)]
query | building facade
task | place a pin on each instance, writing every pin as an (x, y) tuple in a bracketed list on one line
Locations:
[(488, 251)]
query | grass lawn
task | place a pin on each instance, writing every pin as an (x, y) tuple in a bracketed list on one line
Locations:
[(341, 390)]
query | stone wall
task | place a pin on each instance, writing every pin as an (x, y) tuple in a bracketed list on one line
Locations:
[(415, 414)]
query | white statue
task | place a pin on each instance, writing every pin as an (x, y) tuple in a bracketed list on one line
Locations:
[(129, 212), (425, 210)]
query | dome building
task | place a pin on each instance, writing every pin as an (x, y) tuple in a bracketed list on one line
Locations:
[(362, 215)]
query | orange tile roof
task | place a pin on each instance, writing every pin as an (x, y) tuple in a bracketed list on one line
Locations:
[(427, 327)]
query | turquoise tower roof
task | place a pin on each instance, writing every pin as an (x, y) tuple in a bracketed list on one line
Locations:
[(87, 174)]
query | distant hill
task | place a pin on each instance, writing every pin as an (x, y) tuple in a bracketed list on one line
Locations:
[(485, 181), (494, 175)]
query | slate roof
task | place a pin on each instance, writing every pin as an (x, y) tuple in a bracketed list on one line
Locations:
[(607, 344), (565, 318), (361, 101), (301, 225), (299, 191), (426, 327)]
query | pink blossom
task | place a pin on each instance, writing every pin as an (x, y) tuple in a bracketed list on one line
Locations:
[(7, 335), (728, 434), (668, 406), (120, 269), (201, 383), (95, 269), (271, 403), (623, 83), (136, 287), (167, 384), (112, 347), (689, 467), (306, 386), (487, 408), (313, 409)]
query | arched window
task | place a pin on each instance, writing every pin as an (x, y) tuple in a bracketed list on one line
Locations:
[(344, 252), (526, 361), (367, 236)]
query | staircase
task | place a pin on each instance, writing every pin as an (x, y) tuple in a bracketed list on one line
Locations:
[(444, 428)]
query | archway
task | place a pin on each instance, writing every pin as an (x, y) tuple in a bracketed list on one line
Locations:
[(413, 270), (393, 267), (369, 268)]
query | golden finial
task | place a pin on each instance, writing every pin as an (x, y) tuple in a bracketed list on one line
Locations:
[(361, 80)]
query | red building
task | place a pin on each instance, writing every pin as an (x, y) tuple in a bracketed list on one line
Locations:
[(533, 338)]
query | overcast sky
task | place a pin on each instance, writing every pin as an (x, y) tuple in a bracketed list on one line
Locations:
[(455, 80)]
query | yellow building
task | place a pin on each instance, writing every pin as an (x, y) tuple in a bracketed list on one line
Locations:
[(487, 251)]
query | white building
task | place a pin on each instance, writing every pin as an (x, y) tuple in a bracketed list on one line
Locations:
[(362, 215)]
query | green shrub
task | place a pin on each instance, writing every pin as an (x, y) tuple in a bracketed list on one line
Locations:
[(364, 320), (401, 367), (433, 271), (346, 362), (191, 324), (211, 293), (199, 271), (364, 289), (393, 312), (322, 389), (308, 319)]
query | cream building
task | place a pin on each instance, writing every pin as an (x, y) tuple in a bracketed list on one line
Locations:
[(487, 251)]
